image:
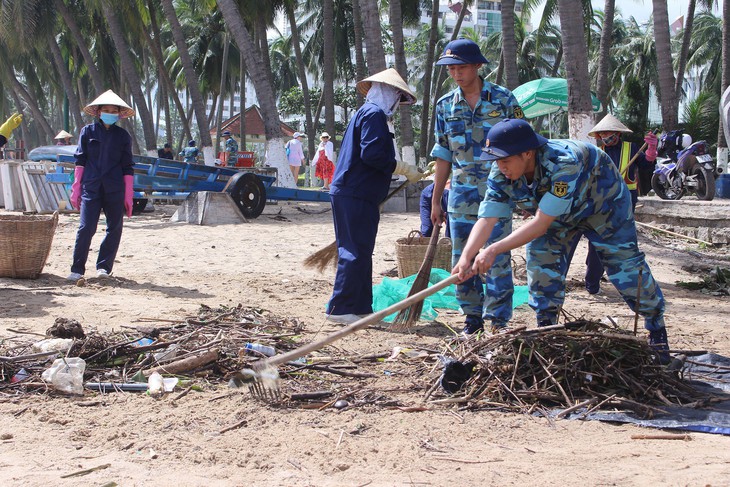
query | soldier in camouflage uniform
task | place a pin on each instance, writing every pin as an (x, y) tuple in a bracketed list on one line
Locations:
[(463, 117), (572, 187)]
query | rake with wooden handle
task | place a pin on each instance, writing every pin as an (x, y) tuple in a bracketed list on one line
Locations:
[(263, 378)]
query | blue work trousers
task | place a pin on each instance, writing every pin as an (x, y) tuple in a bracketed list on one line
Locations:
[(496, 306), (356, 226), (92, 205)]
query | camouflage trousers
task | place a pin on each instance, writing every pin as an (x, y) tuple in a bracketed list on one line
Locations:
[(496, 306), (612, 232)]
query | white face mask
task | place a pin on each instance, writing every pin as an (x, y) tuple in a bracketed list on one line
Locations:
[(384, 96)]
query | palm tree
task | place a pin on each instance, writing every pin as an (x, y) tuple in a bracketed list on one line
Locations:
[(70, 21), (373, 35), (192, 81), (264, 90), (667, 95), (721, 140), (329, 66), (406, 124), (426, 101), (509, 45), (603, 56), (132, 77), (301, 71), (357, 32), (580, 115)]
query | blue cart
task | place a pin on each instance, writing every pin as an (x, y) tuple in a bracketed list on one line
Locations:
[(249, 187)]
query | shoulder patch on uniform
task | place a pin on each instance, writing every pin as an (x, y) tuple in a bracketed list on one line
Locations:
[(453, 119), (560, 189), (494, 114), (518, 112)]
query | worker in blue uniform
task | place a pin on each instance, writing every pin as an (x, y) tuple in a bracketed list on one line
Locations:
[(7, 128), (365, 166), (463, 117), (190, 153), (425, 205), (103, 181), (231, 149), (608, 133), (571, 187)]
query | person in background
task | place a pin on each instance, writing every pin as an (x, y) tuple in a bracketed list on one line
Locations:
[(572, 188), (607, 133), (63, 138), (425, 206), (190, 153), (103, 181), (12, 123), (463, 117), (324, 160), (295, 155), (231, 148), (362, 177), (165, 153)]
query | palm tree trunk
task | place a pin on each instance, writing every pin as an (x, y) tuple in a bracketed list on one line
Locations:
[(261, 28), (373, 36), (264, 91), (301, 72), (723, 129), (667, 96), (133, 80), (156, 49), (580, 116), (242, 65), (686, 38), (70, 21), (509, 44), (360, 70), (604, 58), (406, 123), (66, 80), (428, 72), (168, 119), (32, 104), (224, 70), (328, 88), (192, 81)]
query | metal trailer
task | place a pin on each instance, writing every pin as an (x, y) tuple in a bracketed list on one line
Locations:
[(249, 187)]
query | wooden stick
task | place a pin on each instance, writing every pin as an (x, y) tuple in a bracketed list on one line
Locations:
[(633, 159), (652, 227), (87, 471), (183, 393), (185, 364), (661, 437), (638, 301), (234, 426)]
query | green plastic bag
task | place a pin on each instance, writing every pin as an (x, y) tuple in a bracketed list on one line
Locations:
[(390, 291)]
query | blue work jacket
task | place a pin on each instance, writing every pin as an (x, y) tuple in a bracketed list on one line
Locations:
[(367, 157), (106, 154)]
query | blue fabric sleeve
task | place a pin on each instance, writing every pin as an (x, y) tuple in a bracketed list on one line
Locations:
[(489, 209), (376, 142), (80, 153)]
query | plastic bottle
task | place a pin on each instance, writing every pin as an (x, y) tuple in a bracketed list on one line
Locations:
[(155, 384), (259, 349), (66, 375)]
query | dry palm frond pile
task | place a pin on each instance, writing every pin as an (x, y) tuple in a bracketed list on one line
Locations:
[(585, 365)]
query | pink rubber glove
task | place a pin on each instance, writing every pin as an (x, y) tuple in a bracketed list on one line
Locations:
[(128, 194), (76, 187), (651, 143)]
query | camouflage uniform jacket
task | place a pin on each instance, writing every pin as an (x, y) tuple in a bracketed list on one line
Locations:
[(460, 134), (572, 181)]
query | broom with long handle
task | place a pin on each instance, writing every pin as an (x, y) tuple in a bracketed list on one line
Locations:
[(408, 317), (327, 256)]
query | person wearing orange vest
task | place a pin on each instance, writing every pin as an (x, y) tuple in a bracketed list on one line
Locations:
[(607, 133)]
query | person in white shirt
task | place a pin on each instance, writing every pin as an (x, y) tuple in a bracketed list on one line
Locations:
[(295, 155), (324, 160)]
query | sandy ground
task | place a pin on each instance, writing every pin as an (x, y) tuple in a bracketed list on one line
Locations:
[(167, 271)]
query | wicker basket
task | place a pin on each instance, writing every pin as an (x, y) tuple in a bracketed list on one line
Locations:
[(25, 242), (410, 252)]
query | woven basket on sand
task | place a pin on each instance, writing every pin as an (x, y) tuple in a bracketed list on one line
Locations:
[(411, 250), (25, 242)]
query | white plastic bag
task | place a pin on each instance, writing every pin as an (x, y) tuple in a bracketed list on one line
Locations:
[(66, 375)]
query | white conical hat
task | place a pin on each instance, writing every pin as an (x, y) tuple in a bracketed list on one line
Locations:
[(63, 135), (109, 98), (388, 77), (609, 123)]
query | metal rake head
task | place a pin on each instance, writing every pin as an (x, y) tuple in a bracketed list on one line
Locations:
[(262, 382)]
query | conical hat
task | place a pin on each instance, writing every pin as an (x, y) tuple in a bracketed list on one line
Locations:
[(609, 123), (63, 135), (109, 98), (388, 77)]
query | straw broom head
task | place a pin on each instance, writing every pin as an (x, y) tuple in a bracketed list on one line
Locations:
[(323, 258)]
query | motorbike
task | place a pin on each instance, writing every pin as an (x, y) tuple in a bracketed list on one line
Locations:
[(684, 168)]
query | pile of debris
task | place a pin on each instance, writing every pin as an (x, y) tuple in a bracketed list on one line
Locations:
[(584, 365), (715, 280)]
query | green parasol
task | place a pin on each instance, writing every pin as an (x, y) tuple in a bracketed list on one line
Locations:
[(546, 95)]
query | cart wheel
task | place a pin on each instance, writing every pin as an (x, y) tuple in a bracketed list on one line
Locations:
[(249, 194)]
